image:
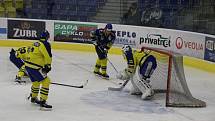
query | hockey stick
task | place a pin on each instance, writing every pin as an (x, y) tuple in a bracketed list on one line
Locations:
[(107, 58), (112, 65), (118, 88), (75, 86), (67, 85)]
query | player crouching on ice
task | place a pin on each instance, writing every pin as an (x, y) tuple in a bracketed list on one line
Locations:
[(104, 39), (38, 64), (146, 64), (17, 57)]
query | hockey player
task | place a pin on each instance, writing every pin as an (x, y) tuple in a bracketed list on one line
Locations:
[(38, 64), (17, 57), (104, 39), (140, 68)]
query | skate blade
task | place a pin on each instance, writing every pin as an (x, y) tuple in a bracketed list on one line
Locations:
[(19, 82), (105, 78), (100, 76), (45, 109)]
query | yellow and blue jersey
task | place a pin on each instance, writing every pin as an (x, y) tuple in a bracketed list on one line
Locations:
[(39, 55), (22, 52), (134, 58)]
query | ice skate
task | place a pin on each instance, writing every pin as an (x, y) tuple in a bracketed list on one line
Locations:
[(19, 81), (105, 76), (35, 101), (44, 106), (97, 73)]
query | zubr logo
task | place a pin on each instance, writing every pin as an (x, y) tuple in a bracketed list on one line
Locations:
[(180, 43), (25, 31), (156, 39)]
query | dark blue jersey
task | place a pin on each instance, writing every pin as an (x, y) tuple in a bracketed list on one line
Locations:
[(104, 38)]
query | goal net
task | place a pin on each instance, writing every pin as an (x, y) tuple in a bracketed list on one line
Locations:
[(169, 78)]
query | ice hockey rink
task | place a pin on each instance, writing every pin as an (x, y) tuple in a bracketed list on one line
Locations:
[(94, 102)]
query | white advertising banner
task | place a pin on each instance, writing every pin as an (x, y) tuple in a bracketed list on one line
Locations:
[(190, 44), (186, 43)]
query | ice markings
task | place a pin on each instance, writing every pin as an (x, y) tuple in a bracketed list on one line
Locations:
[(123, 101)]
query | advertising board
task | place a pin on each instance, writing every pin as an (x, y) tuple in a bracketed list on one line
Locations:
[(73, 32), (209, 49), (25, 29)]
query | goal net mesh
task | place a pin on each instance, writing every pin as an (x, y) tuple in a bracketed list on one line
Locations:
[(169, 78)]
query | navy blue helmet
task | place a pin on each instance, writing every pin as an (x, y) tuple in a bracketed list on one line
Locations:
[(109, 27), (44, 36)]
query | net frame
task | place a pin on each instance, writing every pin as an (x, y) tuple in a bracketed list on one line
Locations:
[(176, 60)]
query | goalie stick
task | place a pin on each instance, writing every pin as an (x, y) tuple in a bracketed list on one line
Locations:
[(67, 85), (118, 88)]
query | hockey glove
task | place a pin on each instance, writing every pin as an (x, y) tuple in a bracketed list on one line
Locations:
[(123, 75), (46, 68), (119, 76), (12, 51), (105, 50)]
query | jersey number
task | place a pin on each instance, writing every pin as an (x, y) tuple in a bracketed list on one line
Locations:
[(22, 50)]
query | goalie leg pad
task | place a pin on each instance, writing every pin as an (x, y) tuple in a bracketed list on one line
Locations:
[(134, 89), (144, 87)]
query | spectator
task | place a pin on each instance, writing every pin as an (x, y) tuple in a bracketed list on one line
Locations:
[(151, 16), (132, 16)]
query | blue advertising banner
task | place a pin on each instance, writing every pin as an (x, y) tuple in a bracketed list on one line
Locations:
[(209, 49), (3, 33), (3, 30)]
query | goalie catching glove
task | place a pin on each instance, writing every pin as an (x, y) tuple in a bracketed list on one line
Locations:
[(46, 68), (126, 74)]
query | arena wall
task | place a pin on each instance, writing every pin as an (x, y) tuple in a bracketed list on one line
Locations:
[(198, 49)]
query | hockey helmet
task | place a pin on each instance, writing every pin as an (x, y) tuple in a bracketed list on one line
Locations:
[(44, 36), (109, 27)]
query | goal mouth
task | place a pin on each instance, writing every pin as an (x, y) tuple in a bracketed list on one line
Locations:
[(169, 78)]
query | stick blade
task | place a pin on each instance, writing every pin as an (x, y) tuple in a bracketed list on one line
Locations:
[(118, 88), (115, 88)]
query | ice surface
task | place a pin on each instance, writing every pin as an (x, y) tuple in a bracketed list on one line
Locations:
[(95, 102)]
